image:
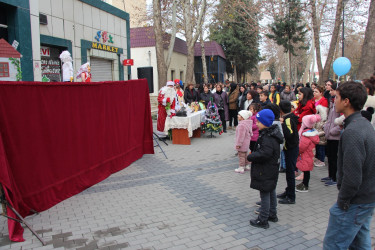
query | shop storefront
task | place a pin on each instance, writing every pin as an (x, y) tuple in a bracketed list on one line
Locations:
[(94, 32)]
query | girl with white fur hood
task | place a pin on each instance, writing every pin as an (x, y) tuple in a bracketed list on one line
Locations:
[(308, 138), (243, 137)]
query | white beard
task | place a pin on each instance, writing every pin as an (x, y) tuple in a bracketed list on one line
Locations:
[(169, 92)]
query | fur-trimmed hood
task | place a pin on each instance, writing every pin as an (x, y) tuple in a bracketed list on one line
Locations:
[(310, 133), (323, 112)]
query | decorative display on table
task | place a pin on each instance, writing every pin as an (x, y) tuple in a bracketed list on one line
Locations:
[(195, 107), (212, 122)]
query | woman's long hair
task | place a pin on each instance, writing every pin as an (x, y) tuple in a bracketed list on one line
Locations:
[(307, 95)]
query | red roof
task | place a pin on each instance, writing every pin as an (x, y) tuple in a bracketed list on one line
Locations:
[(6, 50), (144, 37), (212, 48)]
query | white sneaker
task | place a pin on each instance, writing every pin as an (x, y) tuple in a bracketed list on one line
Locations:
[(247, 167), (240, 170)]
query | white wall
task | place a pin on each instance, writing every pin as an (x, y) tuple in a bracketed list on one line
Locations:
[(74, 20), (142, 58), (12, 70)]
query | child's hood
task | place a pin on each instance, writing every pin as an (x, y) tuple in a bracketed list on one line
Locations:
[(312, 134), (274, 131)]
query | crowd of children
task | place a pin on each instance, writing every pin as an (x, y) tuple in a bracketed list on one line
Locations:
[(281, 131)]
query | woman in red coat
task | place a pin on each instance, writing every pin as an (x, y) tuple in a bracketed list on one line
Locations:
[(306, 104)]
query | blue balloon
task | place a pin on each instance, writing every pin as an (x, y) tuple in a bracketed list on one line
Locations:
[(341, 66)]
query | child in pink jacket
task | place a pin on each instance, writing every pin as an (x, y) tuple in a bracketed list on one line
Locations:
[(243, 135), (308, 138)]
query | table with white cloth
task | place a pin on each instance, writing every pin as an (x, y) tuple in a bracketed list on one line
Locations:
[(185, 127)]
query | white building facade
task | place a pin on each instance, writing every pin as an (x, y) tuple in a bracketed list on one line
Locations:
[(91, 30)]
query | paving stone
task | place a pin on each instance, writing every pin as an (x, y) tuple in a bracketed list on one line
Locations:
[(189, 201)]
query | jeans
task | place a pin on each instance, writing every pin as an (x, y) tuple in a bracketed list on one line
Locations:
[(332, 150), (222, 118), (320, 152), (282, 159), (268, 205), (290, 163), (349, 229), (233, 113)]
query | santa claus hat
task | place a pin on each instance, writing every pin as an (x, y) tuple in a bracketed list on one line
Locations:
[(170, 83), (245, 114)]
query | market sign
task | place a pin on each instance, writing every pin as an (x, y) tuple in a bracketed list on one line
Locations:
[(104, 47), (128, 62)]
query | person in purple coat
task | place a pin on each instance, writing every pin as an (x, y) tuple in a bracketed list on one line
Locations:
[(221, 101)]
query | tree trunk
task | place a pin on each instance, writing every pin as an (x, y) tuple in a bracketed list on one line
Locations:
[(191, 38), (204, 64), (306, 77), (162, 68), (332, 45), (290, 66), (173, 35), (316, 32), (367, 62)]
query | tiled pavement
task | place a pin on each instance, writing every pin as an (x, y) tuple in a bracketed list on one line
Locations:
[(193, 200)]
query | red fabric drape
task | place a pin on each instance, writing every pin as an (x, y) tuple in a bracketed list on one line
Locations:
[(58, 139)]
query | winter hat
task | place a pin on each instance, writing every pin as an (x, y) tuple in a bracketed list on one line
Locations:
[(245, 114), (265, 117), (308, 121), (170, 83), (368, 113)]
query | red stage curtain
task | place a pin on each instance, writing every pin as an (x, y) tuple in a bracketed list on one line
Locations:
[(58, 139)]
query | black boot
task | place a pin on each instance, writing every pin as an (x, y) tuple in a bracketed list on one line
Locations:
[(282, 195), (273, 218), (258, 223)]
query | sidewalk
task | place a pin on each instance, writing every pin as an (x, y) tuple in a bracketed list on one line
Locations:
[(192, 200)]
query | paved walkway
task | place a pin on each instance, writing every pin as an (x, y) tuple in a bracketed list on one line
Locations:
[(192, 200)]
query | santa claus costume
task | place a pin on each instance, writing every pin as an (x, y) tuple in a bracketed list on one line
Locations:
[(166, 107)]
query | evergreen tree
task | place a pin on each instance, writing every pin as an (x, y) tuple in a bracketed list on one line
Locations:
[(212, 122), (288, 31), (239, 39)]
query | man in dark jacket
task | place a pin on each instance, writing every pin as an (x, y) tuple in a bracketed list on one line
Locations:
[(350, 217), (265, 167), (289, 123)]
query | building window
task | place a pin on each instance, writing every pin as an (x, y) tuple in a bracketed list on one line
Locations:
[(4, 69), (172, 75), (181, 75)]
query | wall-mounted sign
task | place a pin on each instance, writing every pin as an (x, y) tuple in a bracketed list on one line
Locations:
[(104, 47), (128, 62), (104, 36), (44, 51), (51, 68)]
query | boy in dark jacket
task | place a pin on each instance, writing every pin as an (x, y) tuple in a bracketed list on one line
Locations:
[(263, 97), (265, 167), (289, 122)]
